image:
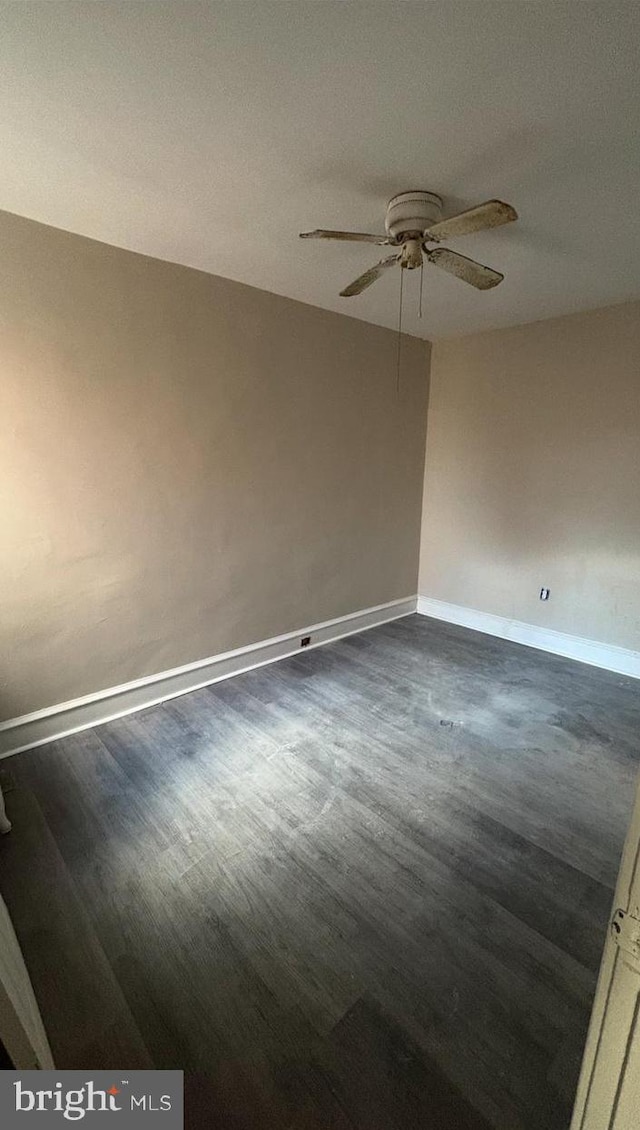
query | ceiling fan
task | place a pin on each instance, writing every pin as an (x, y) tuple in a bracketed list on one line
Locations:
[(413, 221)]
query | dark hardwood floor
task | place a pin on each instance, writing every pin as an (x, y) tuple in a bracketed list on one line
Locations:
[(365, 888)]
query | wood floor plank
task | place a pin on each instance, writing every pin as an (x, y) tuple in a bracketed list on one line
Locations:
[(364, 887), (86, 1015), (388, 1082)]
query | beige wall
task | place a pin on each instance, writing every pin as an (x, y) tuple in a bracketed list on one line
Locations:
[(533, 474), (187, 465)]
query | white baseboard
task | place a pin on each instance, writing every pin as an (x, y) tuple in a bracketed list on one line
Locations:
[(18, 734), (619, 659)]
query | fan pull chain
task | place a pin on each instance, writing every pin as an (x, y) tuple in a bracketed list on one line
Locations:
[(420, 302), (399, 333)]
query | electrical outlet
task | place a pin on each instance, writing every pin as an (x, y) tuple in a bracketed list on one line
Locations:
[(545, 594), (305, 641)]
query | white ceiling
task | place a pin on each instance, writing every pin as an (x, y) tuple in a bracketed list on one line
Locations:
[(212, 133)]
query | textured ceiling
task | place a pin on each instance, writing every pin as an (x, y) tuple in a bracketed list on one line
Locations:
[(212, 133)]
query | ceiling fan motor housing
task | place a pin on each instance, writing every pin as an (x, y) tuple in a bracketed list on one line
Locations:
[(411, 212)]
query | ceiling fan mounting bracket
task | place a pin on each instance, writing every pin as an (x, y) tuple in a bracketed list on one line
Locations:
[(409, 214)]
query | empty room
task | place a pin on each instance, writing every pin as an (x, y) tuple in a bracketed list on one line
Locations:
[(320, 564)]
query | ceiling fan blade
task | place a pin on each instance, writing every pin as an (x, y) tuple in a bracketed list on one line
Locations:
[(369, 277), (353, 236), (491, 214), (483, 278)]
